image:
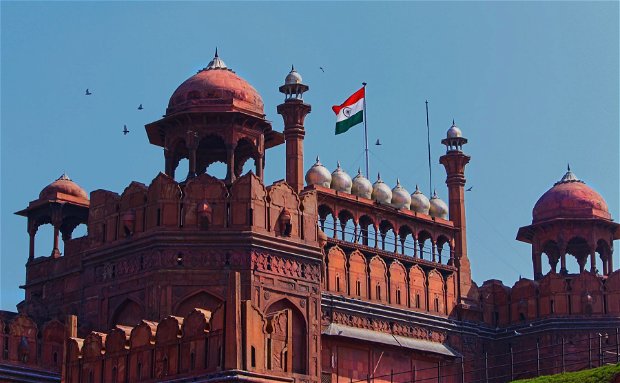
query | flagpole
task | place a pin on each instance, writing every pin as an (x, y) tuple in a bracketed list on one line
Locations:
[(366, 133), (428, 140)]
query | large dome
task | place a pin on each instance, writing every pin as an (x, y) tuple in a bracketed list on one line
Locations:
[(570, 198), (62, 185), (216, 88)]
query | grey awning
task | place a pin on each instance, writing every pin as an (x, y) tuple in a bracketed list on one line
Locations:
[(393, 340)]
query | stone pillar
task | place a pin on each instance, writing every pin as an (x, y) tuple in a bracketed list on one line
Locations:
[(415, 247), (230, 164), (169, 162), (32, 232), (563, 269), (192, 147), (376, 237), (434, 250), (537, 263), (592, 260), (259, 166), (55, 249), (56, 216)]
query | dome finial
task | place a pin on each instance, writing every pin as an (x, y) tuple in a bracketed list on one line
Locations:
[(359, 171), (453, 124), (216, 63), (292, 68), (317, 159), (569, 176), (64, 176), (337, 164)]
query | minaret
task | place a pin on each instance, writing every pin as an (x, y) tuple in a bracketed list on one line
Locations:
[(294, 111), (454, 161)]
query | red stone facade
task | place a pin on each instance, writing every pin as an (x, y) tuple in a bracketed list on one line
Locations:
[(231, 279)]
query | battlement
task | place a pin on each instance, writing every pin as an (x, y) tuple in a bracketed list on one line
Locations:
[(554, 295)]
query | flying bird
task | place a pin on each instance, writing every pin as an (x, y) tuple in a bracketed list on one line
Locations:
[(88, 92), (140, 107), (469, 189), (378, 143), (322, 70), (125, 130)]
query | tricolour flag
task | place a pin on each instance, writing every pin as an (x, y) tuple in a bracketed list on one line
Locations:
[(350, 112)]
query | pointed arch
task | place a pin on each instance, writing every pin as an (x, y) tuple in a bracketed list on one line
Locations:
[(417, 288), (129, 312), (202, 299), (295, 349), (358, 275), (398, 284), (436, 291), (378, 279), (337, 270)]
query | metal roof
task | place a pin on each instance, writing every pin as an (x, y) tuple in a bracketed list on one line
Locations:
[(389, 339)]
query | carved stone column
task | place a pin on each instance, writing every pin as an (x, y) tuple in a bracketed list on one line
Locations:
[(32, 232), (192, 146)]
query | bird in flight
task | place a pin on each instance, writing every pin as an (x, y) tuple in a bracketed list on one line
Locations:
[(469, 189), (125, 130), (378, 143), (88, 92), (140, 107), (322, 70)]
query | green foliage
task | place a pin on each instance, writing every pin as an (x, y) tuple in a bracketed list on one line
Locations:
[(605, 374)]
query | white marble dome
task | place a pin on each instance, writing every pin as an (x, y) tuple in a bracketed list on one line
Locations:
[(318, 175), (438, 208), (341, 181), (400, 196), (419, 202), (361, 186), (381, 192)]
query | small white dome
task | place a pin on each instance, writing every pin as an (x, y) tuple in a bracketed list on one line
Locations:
[(381, 192), (293, 77), (341, 181), (419, 202), (361, 186), (454, 131), (318, 175), (438, 208), (400, 196)]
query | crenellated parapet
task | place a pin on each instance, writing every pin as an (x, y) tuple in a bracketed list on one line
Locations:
[(195, 345), (30, 345), (553, 296), (202, 204)]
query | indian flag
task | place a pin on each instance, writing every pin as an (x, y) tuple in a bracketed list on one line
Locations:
[(350, 112)]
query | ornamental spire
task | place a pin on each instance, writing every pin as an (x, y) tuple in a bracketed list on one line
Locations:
[(569, 176), (216, 63)]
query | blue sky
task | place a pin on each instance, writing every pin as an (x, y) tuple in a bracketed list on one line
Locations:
[(532, 85)]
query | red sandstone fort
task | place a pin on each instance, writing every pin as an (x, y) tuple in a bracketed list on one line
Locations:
[(331, 280)]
